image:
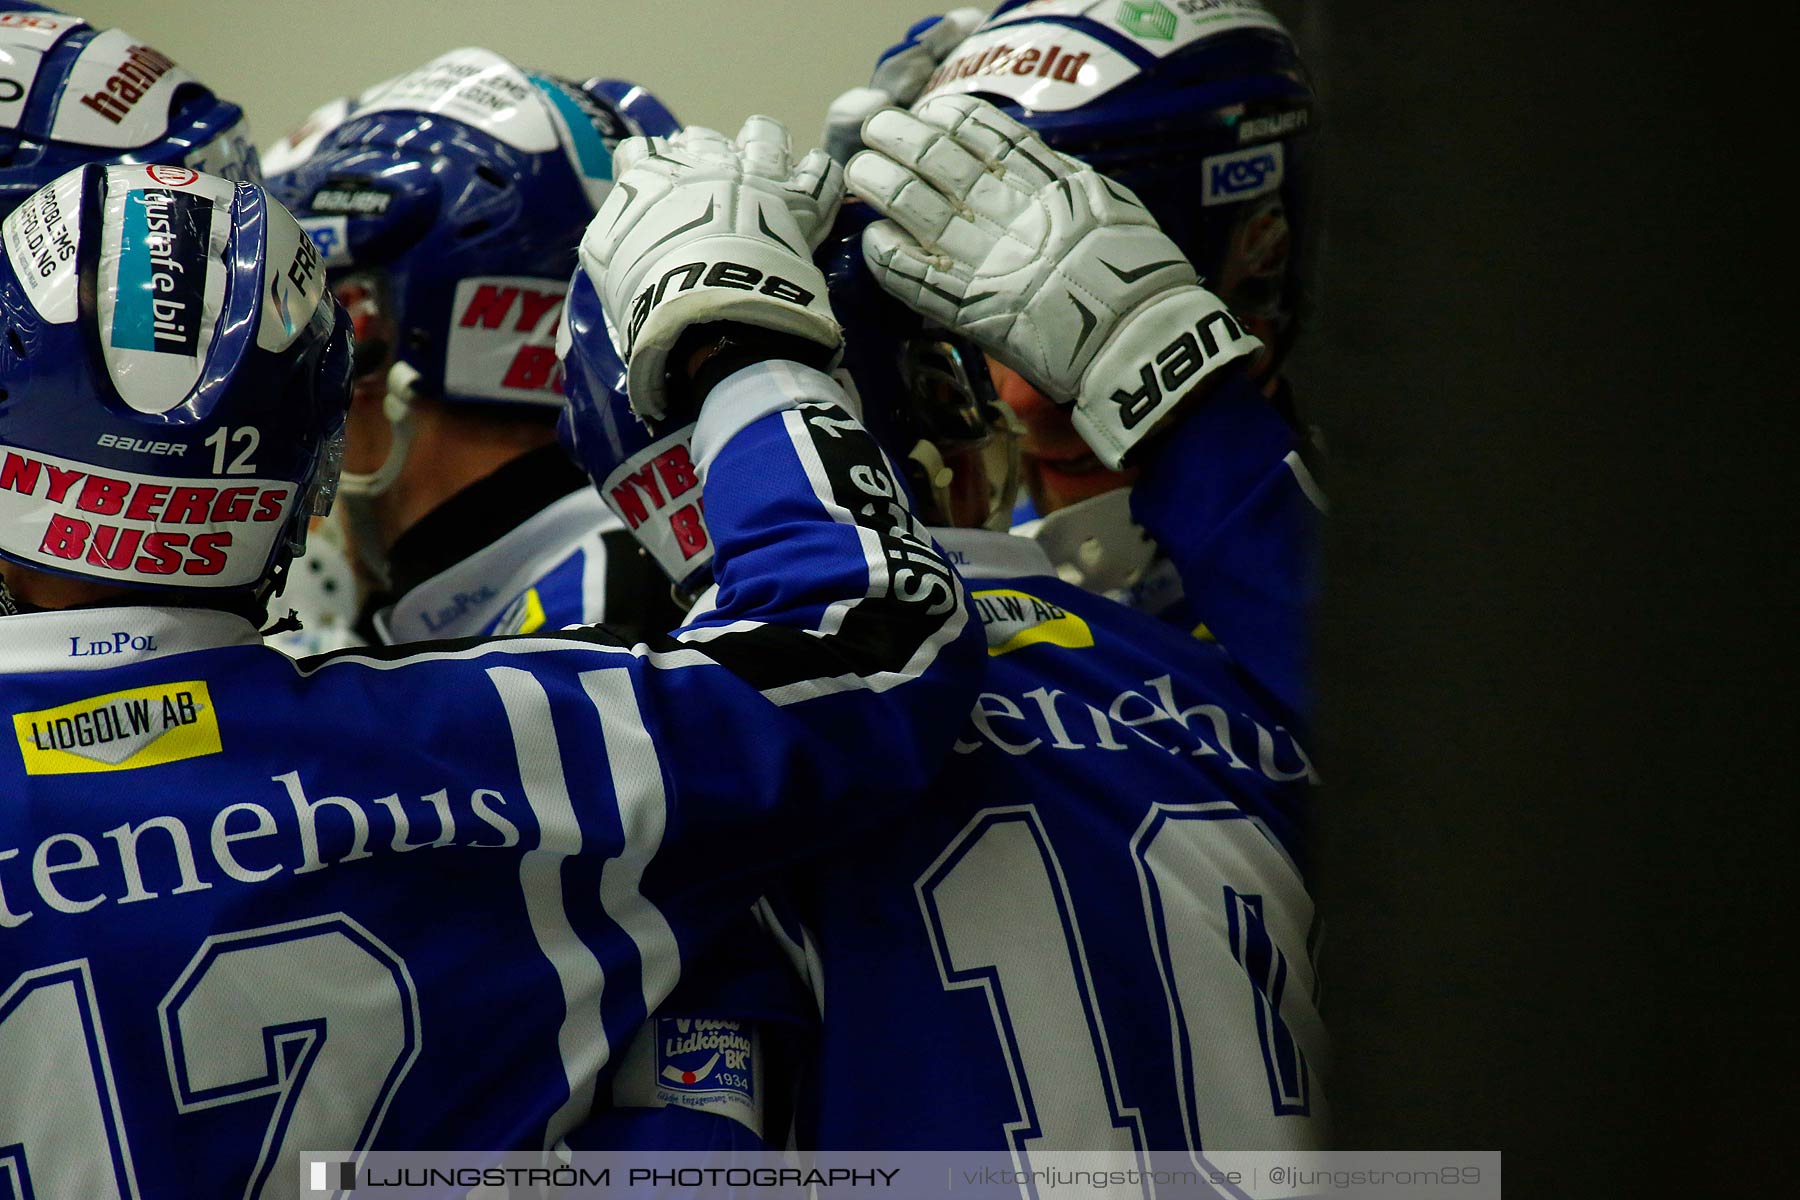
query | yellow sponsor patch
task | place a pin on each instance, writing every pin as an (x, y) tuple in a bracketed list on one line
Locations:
[(524, 615), (1015, 620), (120, 731)]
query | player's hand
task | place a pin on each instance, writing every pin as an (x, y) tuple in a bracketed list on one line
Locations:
[(900, 75), (701, 229), (1049, 266)]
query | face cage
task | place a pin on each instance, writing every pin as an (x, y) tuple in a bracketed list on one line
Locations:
[(968, 456)]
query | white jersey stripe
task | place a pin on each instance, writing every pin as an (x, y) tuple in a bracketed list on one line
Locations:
[(637, 781), (1307, 483), (582, 1037)]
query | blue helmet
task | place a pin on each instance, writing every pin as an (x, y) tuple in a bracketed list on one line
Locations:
[(72, 94), (173, 382), (448, 203), (1201, 107), (646, 477)]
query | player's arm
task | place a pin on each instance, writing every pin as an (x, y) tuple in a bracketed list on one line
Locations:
[(1064, 276), (850, 654)]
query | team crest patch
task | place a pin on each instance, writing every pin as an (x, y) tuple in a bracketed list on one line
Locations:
[(1015, 620), (705, 1057), (120, 731)]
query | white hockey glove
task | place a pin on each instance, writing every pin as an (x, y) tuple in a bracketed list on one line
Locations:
[(899, 77), (700, 229), (1049, 266)]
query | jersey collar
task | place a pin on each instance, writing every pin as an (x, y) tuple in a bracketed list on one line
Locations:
[(985, 554), (465, 598), (91, 639)]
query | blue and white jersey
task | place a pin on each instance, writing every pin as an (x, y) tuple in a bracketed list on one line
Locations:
[(550, 572), (1229, 499), (1098, 934), (423, 896)]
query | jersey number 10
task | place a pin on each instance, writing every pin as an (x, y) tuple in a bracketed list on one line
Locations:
[(1220, 901)]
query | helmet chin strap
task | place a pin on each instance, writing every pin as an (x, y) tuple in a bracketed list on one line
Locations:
[(359, 489), (396, 406), (1094, 544)]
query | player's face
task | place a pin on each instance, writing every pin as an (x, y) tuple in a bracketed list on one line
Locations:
[(1059, 468), (367, 433)]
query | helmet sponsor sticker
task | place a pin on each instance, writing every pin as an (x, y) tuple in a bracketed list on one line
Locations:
[(332, 237), (1048, 68), (503, 339), (122, 527), (1015, 620), (294, 275), (587, 131), (351, 198), (1159, 26), (117, 95), (161, 280), (35, 30), (42, 237), (478, 88), (25, 37), (1241, 174), (120, 731), (1165, 26), (656, 492)]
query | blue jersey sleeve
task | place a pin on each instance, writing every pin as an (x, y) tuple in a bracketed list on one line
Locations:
[(1230, 500), (427, 896)]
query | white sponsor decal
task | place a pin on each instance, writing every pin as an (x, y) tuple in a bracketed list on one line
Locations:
[(1159, 26), (161, 279), (656, 492), (332, 236), (294, 282), (36, 30), (1048, 68), (127, 528), (41, 237), (503, 339), (1241, 174), (478, 88), (24, 40), (1165, 26), (117, 94)]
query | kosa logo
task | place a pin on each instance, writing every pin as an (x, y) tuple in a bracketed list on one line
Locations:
[(1241, 174)]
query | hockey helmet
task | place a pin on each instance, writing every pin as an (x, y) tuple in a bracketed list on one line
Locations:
[(173, 382)]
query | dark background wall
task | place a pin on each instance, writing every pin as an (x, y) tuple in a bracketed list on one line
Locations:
[(1554, 364)]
